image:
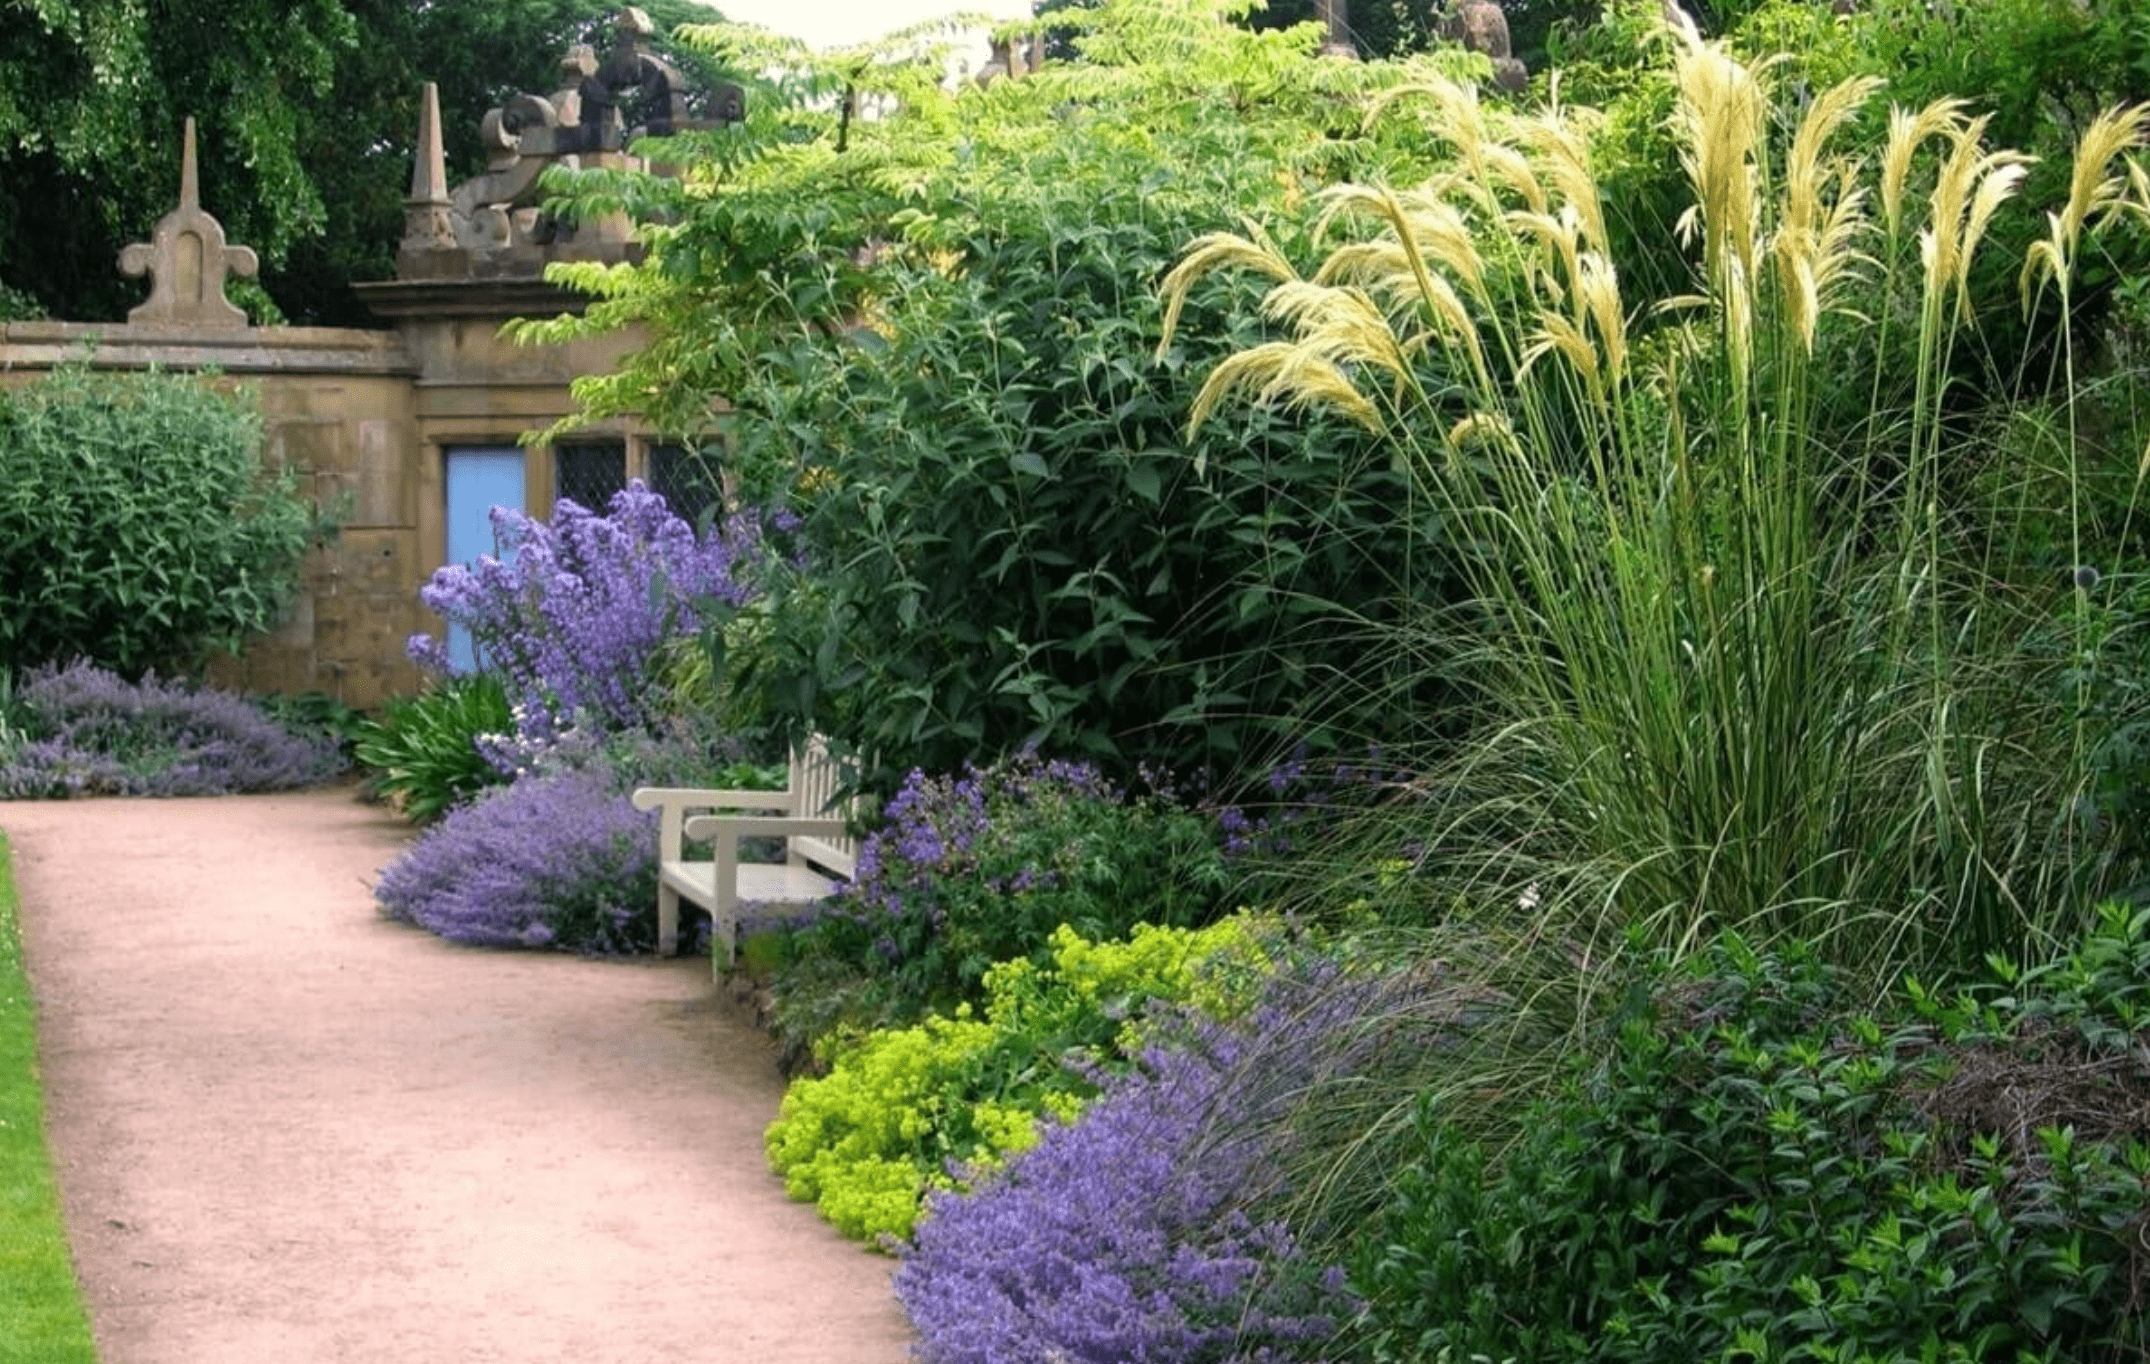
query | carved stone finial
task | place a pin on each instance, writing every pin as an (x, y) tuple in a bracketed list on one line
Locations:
[(187, 260), (1481, 26)]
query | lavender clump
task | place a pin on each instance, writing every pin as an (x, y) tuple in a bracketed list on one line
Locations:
[(1127, 1234), (86, 731), (560, 860), (574, 614)]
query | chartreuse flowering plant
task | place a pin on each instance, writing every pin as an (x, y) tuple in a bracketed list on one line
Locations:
[(930, 1106), (574, 613)]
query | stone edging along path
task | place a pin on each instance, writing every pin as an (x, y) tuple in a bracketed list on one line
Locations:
[(289, 1130)]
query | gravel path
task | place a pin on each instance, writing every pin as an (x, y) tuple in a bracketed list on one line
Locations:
[(289, 1130)]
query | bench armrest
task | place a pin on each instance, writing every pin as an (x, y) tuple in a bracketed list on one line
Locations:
[(675, 801)]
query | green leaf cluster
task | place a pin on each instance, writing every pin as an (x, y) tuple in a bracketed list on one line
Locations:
[(421, 751), (139, 528), (903, 1107), (1758, 1172)]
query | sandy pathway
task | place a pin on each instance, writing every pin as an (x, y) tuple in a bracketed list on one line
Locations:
[(291, 1131)]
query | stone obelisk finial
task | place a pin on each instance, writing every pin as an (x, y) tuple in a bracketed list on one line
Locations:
[(428, 218), (187, 260)]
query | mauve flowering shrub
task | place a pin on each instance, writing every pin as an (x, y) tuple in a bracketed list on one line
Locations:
[(85, 731), (560, 858), (574, 618), (1128, 1234), (967, 871)]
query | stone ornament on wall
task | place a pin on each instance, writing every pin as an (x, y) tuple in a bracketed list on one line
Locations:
[(493, 225), (1481, 26), (187, 260)]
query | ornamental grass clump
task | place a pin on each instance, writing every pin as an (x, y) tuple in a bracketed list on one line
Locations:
[(574, 614), (1736, 663), (83, 731)]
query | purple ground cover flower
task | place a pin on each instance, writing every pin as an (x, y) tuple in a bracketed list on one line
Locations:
[(972, 869), (560, 857), (555, 860), (1125, 1235), (91, 733), (573, 616)]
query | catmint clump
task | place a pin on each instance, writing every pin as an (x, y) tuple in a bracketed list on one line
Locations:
[(973, 869), (574, 612), (84, 731), (561, 860), (1128, 1233)]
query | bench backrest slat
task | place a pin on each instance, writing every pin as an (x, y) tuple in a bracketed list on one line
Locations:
[(817, 781)]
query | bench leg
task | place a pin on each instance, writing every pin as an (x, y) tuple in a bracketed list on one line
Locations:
[(667, 921), (723, 942)]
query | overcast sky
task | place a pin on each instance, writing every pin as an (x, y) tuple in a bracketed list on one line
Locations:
[(827, 23)]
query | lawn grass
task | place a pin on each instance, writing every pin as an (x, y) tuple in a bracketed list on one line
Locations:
[(41, 1317)]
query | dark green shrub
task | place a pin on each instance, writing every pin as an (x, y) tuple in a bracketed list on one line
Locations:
[(138, 527), (1049, 559), (1756, 1174), (422, 752)]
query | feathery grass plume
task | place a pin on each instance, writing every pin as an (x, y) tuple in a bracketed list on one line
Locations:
[(1908, 131), (1429, 232), (1408, 267), (2094, 190), (1563, 156), (1815, 243), (1293, 374), (1214, 251), (1971, 185), (1720, 116)]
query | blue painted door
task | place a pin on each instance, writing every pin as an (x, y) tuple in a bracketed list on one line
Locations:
[(480, 477)]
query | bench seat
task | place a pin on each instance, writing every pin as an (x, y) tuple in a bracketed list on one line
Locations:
[(806, 818)]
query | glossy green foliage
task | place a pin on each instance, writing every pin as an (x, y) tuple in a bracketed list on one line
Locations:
[(421, 753), (1757, 1173)]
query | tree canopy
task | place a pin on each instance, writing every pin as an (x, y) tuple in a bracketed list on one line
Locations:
[(306, 113)]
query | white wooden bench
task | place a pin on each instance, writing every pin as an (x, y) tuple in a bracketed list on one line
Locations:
[(819, 852)]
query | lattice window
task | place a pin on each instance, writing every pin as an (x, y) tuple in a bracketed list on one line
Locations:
[(589, 472), (690, 480)]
